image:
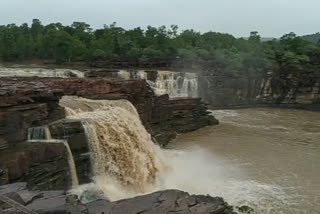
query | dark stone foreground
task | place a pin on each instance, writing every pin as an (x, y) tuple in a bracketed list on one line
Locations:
[(168, 201)]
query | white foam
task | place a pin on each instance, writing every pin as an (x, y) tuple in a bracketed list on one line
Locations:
[(39, 72)]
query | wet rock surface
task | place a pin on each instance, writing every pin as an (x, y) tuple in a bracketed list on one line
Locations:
[(27, 102), (170, 117), (30, 102), (73, 131), (168, 201), (289, 90), (42, 165)]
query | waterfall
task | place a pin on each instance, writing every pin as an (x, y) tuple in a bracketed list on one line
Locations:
[(72, 166), (42, 134), (124, 158), (39, 72), (39, 133), (132, 74), (175, 84)]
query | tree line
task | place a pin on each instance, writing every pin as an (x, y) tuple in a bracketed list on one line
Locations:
[(79, 42)]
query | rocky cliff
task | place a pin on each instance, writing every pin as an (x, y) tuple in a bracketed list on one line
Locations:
[(24, 104), (42, 165), (292, 90), (29, 102), (170, 117), (232, 90)]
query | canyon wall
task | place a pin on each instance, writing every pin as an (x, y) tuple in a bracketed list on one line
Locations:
[(229, 90), (30, 102), (292, 90)]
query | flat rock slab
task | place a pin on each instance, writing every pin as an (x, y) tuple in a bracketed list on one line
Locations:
[(169, 201), (163, 202)]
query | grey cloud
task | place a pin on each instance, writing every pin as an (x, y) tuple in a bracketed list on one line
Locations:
[(269, 17)]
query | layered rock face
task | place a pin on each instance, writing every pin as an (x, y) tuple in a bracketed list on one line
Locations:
[(24, 104), (229, 92), (29, 102), (291, 90), (170, 117), (222, 90), (32, 102), (42, 165), (287, 90)]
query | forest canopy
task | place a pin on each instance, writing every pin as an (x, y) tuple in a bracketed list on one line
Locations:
[(79, 42)]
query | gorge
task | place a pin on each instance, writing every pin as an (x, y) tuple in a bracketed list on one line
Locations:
[(111, 119), (31, 124)]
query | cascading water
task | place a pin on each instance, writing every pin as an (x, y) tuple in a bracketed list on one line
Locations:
[(127, 163), (125, 160), (39, 133), (42, 134), (39, 72), (176, 84), (72, 165), (133, 74)]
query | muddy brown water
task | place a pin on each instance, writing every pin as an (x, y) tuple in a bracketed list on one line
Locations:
[(265, 158)]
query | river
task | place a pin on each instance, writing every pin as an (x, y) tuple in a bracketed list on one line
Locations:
[(266, 158)]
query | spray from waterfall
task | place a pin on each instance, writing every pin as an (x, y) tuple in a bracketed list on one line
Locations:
[(42, 134), (126, 163), (125, 160)]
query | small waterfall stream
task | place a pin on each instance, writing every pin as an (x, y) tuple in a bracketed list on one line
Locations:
[(72, 166), (42, 134), (39, 133)]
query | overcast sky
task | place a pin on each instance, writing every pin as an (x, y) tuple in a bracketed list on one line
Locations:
[(272, 18)]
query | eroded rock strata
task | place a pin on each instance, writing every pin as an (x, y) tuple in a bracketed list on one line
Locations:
[(30, 102), (290, 90), (42, 165)]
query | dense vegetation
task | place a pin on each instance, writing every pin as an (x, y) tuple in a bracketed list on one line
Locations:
[(79, 42), (315, 38)]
